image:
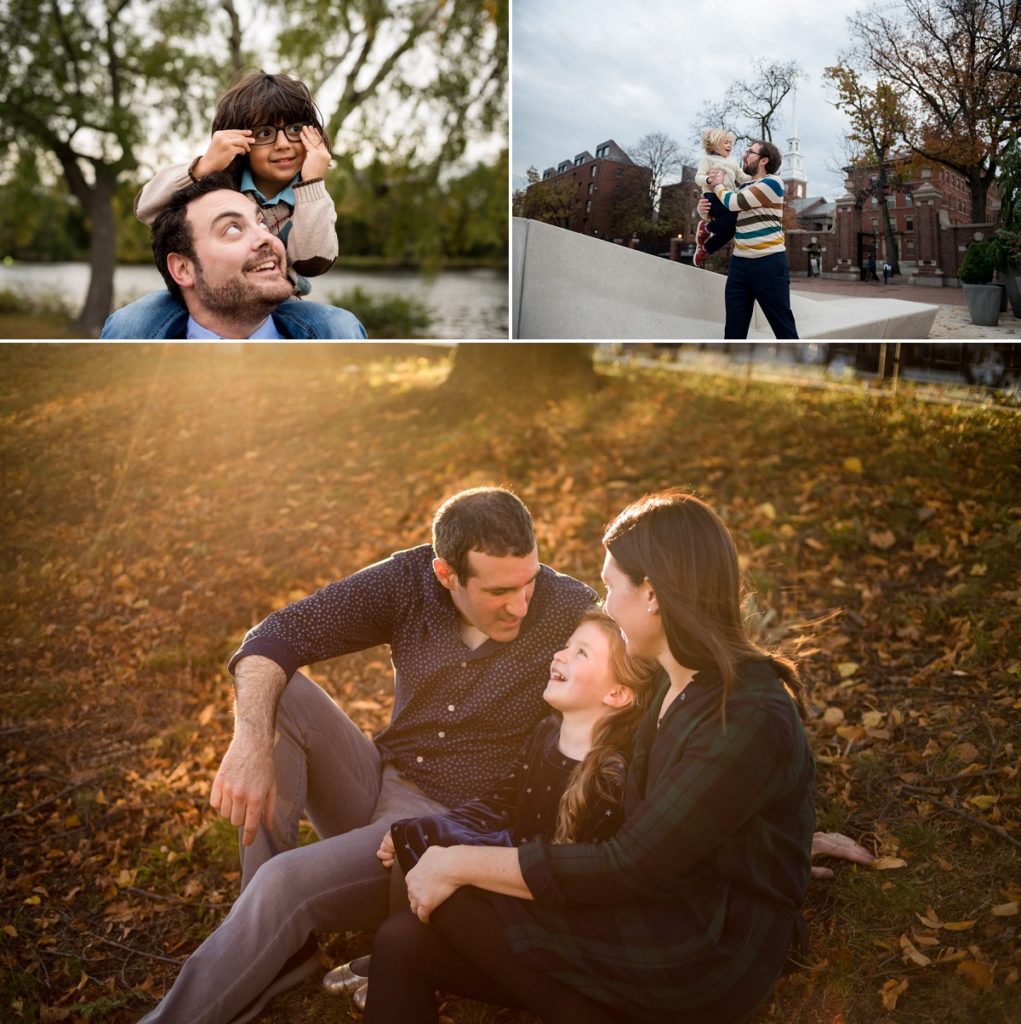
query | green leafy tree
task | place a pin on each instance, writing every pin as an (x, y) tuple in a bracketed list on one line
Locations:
[(877, 123), (74, 82), (38, 221), (411, 81), (474, 213), (951, 59)]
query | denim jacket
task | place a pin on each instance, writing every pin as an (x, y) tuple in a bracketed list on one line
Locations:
[(160, 316)]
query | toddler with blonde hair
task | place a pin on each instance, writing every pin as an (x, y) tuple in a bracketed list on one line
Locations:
[(716, 228)]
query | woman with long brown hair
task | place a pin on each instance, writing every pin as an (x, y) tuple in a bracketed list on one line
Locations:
[(689, 911)]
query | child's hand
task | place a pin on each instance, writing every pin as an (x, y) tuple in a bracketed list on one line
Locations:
[(223, 147), (385, 853), (317, 156), (714, 177)]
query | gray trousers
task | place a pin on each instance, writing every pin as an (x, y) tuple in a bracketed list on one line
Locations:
[(328, 768)]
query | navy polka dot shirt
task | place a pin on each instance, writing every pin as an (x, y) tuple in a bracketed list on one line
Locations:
[(459, 715)]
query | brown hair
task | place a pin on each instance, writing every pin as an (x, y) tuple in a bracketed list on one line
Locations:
[(601, 772), (257, 97), (771, 153), (487, 519), (677, 543), (171, 231)]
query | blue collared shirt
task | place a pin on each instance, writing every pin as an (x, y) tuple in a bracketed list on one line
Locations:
[(459, 715), (267, 329), (285, 195)]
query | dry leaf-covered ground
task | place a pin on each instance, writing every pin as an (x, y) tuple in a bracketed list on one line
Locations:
[(158, 500)]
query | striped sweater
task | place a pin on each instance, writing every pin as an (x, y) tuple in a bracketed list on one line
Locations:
[(759, 209)]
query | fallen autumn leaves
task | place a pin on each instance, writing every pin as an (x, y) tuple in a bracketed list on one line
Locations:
[(159, 500)]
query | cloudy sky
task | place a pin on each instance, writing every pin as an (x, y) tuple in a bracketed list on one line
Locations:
[(585, 71)]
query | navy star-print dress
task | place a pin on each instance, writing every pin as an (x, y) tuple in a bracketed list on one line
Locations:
[(522, 806)]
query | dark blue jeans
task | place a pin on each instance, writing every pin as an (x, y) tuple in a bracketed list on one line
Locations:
[(721, 226), (766, 280)]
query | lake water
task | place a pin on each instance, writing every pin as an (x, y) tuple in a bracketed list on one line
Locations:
[(464, 303)]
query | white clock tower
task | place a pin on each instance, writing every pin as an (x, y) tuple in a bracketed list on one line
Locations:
[(793, 169)]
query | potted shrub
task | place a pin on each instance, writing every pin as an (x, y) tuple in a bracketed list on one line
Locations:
[(1009, 243), (976, 274)]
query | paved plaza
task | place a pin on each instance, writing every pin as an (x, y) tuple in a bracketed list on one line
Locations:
[(952, 320)]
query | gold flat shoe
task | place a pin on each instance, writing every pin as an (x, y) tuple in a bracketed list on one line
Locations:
[(342, 979), (359, 997)]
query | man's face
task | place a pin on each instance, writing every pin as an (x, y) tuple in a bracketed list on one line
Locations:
[(239, 265), (495, 597), (751, 159)]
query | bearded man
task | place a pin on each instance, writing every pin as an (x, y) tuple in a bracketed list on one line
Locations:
[(229, 271)]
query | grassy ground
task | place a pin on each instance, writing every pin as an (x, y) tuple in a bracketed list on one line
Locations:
[(36, 325), (157, 500)]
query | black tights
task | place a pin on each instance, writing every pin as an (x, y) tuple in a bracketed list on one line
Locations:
[(462, 951)]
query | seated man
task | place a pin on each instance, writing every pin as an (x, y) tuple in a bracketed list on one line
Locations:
[(229, 271)]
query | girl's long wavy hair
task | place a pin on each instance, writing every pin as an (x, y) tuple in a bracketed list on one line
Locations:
[(682, 547), (600, 774)]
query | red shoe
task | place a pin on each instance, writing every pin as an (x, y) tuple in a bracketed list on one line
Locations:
[(702, 233), (700, 255)]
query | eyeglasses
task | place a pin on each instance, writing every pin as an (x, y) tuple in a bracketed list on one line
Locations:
[(754, 152), (266, 134)]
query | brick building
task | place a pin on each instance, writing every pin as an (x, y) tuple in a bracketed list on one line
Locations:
[(933, 231), (597, 195), (678, 217), (907, 173)]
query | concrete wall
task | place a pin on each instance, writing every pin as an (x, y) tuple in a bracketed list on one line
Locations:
[(566, 285)]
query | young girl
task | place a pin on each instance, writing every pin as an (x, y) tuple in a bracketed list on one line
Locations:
[(718, 228), (568, 782), (268, 136)]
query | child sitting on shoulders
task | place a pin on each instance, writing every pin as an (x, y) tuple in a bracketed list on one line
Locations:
[(268, 137), (568, 781), (717, 228)]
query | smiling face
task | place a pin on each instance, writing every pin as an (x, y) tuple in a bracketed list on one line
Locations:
[(581, 675), (495, 597), (726, 147), (274, 166), (633, 607), (238, 267)]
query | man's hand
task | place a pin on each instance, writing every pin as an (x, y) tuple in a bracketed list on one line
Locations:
[(836, 844), (223, 147), (245, 789), (703, 206), (386, 853), (431, 881), (317, 156), (714, 177)]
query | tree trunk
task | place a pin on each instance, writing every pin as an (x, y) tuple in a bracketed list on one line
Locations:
[(102, 256), (892, 256), (979, 188), (520, 371)]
